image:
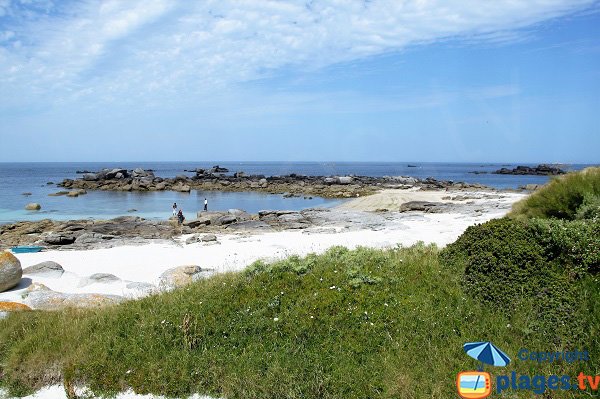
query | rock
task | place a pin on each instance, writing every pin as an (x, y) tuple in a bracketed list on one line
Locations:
[(37, 287), (422, 206), (540, 170), (26, 194), (52, 300), (192, 239), (58, 193), (404, 180), (161, 186), (201, 221), (250, 225), (59, 239), (73, 194), (33, 206), (13, 307), (139, 172), (182, 188), (239, 174), (45, 269), (208, 238), (92, 238), (90, 176), (102, 278), (227, 219), (181, 276), (218, 169), (10, 271), (144, 289), (330, 180), (345, 180)]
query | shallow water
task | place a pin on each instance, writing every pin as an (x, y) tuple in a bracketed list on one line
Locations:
[(16, 178)]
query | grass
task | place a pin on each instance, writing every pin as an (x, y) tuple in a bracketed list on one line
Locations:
[(563, 197), (346, 324)]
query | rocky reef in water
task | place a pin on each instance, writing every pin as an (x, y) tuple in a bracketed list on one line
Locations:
[(219, 179), (540, 170)]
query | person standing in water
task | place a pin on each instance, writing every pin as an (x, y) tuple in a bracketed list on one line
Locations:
[(174, 208), (205, 205)]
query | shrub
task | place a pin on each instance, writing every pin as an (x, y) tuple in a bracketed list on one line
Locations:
[(562, 197), (589, 209), (522, 264)]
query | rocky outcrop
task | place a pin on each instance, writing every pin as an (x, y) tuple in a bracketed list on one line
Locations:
[(85, 233), (181, 276), (33, 206), (218, 179), (540, 170), (45, 269), (10, 271)]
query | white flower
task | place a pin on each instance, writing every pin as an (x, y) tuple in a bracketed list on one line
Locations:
[(275, 318)]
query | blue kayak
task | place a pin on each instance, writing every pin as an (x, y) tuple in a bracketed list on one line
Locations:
[(26, 249)]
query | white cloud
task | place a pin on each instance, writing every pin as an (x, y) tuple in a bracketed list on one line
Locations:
[(154, 49)]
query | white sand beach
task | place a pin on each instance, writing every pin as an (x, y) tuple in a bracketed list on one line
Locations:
[(232, 252)]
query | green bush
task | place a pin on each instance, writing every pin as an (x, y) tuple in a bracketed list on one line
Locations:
[(563, 197), (589, 209), (517, 264)]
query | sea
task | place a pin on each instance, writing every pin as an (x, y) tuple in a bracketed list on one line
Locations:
[(40, 179)]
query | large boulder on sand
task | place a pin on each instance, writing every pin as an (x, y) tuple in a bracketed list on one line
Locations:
[(33, 206), (181, 276), (10, 271), (45, 269)]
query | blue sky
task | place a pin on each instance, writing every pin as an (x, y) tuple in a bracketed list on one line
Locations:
[(421, 80)]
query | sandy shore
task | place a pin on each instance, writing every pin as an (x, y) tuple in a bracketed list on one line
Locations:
[(350, 225)]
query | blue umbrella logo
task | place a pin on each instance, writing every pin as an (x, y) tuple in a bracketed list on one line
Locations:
[(487, 353)]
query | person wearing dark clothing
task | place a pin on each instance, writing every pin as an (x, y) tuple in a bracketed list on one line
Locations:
[(205, 205), (180, 217)]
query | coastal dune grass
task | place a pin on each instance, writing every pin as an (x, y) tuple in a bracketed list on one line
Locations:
[(361, 323), (575, 195)]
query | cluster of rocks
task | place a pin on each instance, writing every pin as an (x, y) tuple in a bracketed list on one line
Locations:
[(40, 297), (218, 179), (540, 170), (82, 234)]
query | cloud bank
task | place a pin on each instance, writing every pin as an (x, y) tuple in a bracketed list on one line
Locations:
[(157, 50)]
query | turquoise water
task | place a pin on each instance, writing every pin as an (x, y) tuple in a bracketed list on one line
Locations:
[(16, 178)]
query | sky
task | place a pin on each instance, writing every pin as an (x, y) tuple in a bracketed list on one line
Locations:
[(233, 80)]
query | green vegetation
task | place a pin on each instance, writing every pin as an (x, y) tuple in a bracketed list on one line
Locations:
[(346, 324), (575, 195)]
